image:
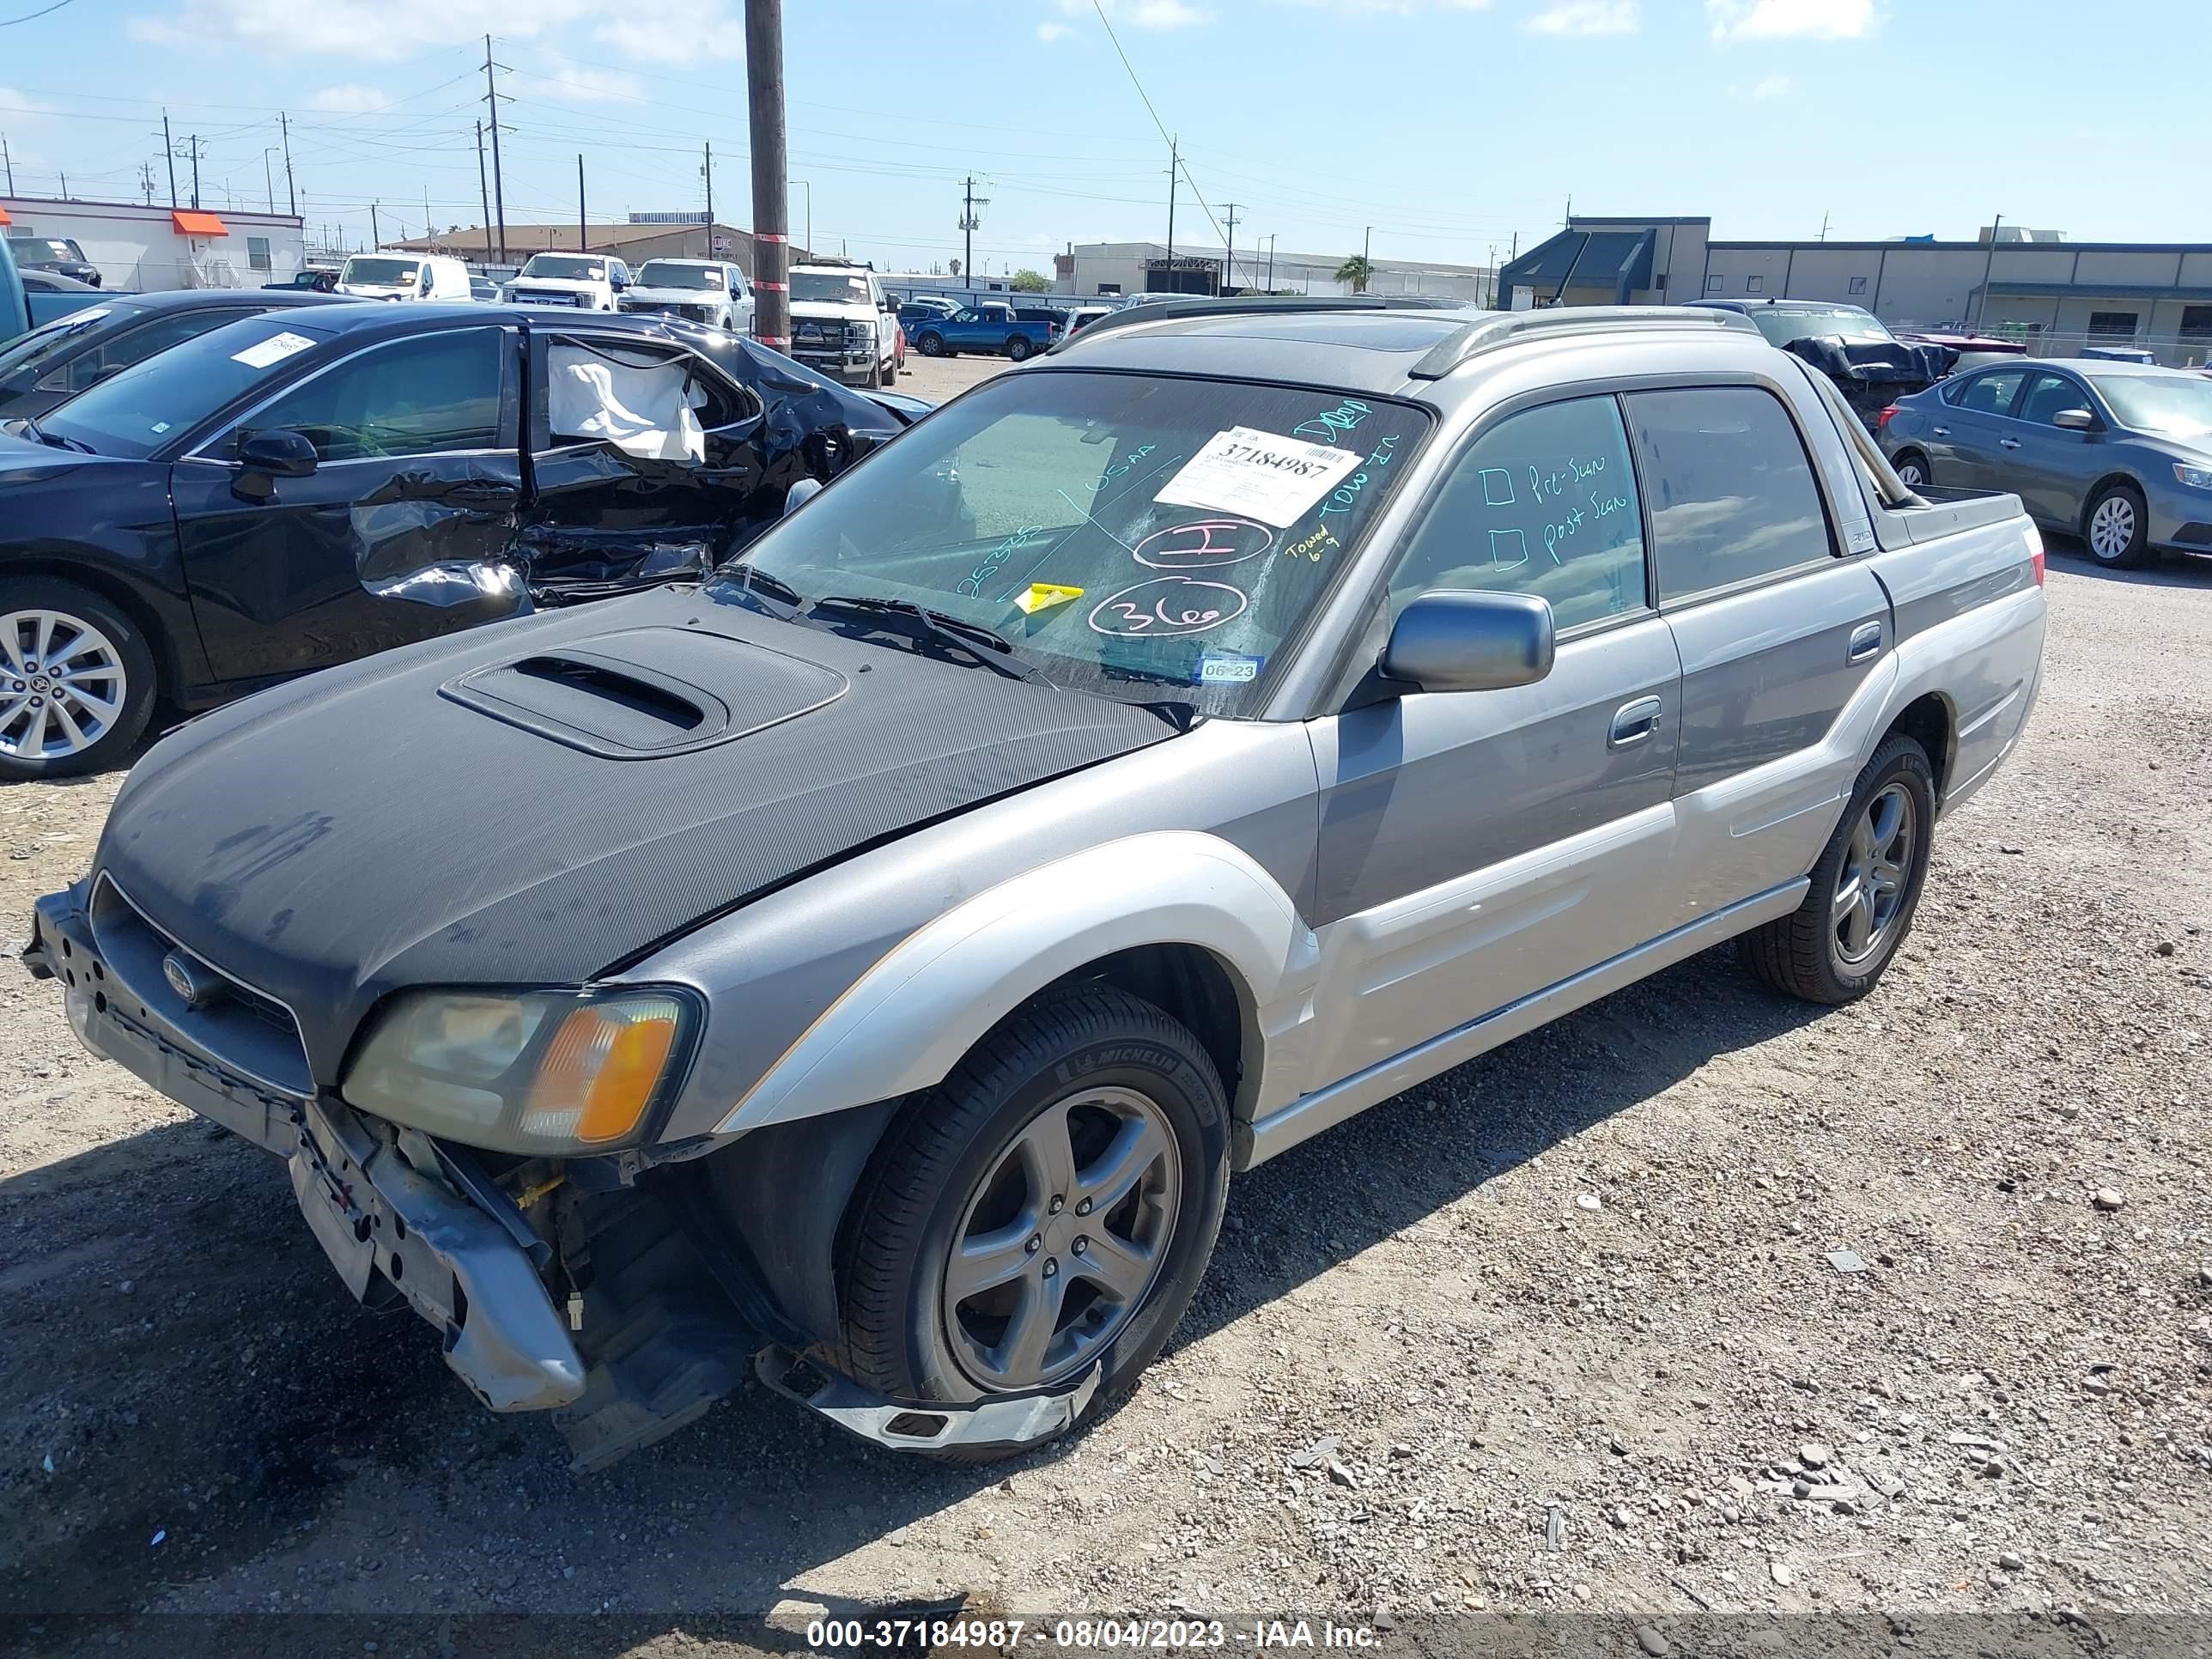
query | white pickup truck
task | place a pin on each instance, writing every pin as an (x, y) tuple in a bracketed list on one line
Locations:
[(590, 282)]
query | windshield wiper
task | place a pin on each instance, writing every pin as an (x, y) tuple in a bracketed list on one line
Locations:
[(55, 440), (992, 649)]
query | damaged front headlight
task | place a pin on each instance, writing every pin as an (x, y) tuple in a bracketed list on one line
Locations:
[(532, 1072)]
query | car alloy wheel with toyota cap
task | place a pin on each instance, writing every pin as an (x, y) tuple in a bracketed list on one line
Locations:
[(77, 683), (1045, 1213)]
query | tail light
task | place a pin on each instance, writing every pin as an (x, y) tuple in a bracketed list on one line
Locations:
[(1881, 416), (2035, 553)]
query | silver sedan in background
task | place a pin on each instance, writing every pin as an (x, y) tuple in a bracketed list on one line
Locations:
[(2119, 454)]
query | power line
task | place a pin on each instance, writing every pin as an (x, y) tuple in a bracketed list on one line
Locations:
[(1154, 113), (32, 16)]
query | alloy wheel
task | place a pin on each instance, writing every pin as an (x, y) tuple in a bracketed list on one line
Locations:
[(62, 686), (1909, 474), (1877, 864), (1062, 1239), (2112, 527)]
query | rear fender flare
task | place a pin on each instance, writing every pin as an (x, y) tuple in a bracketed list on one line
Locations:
[(906, 1021)]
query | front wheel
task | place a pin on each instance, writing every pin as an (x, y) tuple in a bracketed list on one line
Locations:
[(76, 680), (2116, 528), (931, 345), (1047, 1209), (1833, 947)]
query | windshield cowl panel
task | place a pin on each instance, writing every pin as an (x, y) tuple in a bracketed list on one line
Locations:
[(1138, 538)]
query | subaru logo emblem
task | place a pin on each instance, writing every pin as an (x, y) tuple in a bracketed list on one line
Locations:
[(195, 985)]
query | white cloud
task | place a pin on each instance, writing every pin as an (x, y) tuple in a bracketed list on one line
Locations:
[(1398, 7), (576, 84), (1049, 33), (21, 108), (351, 99), (380, 30), (1772, 86), (673, 32), (1586, 17), (1783, 20)]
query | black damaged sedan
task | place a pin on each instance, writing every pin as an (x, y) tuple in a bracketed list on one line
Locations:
[(303, 487)]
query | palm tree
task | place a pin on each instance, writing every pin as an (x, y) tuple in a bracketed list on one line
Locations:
[(1357, 270)]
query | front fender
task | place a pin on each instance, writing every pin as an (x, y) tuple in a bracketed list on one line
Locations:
[(906, 1021)]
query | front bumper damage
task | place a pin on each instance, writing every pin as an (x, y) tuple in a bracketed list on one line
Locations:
[(368, 1206), (646, 1346)]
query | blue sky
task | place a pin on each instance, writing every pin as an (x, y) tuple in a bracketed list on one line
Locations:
[(1448, 125)]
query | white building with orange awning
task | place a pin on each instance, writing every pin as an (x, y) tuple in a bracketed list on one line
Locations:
[(151, 249)]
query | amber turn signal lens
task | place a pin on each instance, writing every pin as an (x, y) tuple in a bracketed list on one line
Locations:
[(600, 1071)]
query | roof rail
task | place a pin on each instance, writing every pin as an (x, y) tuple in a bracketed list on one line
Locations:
[(1510, 327), (1200, 305)]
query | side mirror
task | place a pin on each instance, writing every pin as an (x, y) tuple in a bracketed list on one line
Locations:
[(2075, 420), (802, 491), (1458, 641), (278, 454)]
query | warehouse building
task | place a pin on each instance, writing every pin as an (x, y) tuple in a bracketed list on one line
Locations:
[(656, 236), (2054, 295), (1091, 269), (152, 250)]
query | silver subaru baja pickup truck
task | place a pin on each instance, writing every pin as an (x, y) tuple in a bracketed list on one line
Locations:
[(871, 965)]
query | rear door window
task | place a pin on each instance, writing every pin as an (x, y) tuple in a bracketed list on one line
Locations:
[(1729, 487), (2050, 393), (1544, 502), (1992, 393)]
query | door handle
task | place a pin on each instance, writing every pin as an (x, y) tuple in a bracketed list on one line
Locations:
[(1866, 642), (2007, 443), (1942, 431), (1633, 722)]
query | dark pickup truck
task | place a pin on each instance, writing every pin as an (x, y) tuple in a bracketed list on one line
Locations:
[(1870, 366), (1019, 331)]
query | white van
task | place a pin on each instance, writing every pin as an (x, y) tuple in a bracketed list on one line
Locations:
[(404, 277)]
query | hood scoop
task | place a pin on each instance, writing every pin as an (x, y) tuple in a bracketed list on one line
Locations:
[(643, 693)]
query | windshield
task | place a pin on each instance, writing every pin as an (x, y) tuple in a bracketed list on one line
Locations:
[(40, 247), (1781, 327), (380, 273), (832, 287), (41, 343), (2179, 406), (136, 411), (1143, 538), (566, 268), (658, 273)]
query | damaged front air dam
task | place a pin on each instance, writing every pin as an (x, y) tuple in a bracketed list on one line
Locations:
[(1003, 1421)]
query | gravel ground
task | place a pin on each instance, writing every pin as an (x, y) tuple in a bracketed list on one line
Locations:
[(1560, 1330)]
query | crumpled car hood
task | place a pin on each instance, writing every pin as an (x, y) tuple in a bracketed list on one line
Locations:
[(531, 804)]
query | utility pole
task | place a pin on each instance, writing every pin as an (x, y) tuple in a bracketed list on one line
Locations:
[(375, 230), (1824, 227), (10, 162), (291, 190), (169, 150), (1174, 162), (145, 181), (498, 183), (583, 233), (771, 171), (968, 224), (484, 191), (196, 170), (1229, 253), (429, 229), (1271, 262), (709, 171), (1989, 269), (268, 184)]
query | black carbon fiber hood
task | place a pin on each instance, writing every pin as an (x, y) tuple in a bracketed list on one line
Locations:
[(529, 803)]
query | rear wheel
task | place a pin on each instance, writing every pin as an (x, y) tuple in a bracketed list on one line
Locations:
[(1017, 348), (76, 680), (1911, 468), (1049, 1208), (1833, 947), (2116, 528)]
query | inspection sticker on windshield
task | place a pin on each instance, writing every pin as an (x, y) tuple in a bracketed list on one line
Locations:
[(274, 350), (1257, 474)]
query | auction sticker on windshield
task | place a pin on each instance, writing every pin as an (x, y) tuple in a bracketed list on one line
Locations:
[(274, 350), (1272, 479)]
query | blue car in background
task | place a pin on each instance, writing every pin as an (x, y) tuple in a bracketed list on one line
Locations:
[(2117, 453), (14, 313)]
